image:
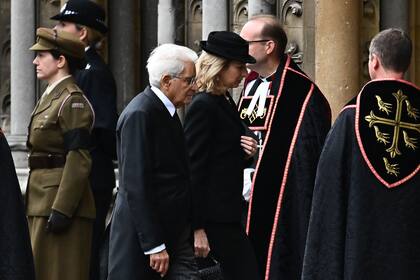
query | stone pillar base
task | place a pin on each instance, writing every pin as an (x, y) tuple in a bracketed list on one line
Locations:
[(17, 144)]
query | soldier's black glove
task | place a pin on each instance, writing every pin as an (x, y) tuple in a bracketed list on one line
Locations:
[(57, 222)]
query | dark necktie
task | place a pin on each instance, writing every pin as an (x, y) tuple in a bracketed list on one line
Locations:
[(175, 117)]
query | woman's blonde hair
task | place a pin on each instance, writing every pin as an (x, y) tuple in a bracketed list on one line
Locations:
[(208, 67)]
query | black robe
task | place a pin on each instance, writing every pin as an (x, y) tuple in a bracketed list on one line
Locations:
[(364, 222), (16, 262), (284, 177)]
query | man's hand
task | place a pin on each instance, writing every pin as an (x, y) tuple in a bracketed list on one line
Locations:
[(160, 262), (201, 244), (58, 222), (249, 145)]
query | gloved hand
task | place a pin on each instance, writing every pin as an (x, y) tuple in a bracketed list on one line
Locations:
[(58, 222)]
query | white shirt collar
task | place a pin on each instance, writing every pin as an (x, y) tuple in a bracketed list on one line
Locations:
[(264, 79), (53, 85), (165, 100)]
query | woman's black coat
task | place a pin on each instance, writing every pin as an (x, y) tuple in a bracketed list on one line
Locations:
[(213, 132)]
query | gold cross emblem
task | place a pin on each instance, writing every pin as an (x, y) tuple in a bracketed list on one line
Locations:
[(398, 125), (253, 115)]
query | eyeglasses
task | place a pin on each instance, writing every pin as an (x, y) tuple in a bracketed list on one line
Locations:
[(189, 80), (258, 41)]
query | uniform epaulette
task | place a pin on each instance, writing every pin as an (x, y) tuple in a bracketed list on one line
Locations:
[(74, 89)]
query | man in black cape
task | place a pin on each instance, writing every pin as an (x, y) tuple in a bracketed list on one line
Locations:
[(364, 222), (16, 262), (292, 118)]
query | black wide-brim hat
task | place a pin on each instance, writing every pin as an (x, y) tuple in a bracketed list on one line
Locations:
[(83, 12), (228, 45)]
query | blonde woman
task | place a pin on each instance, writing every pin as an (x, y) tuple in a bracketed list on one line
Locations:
[(219, 151)]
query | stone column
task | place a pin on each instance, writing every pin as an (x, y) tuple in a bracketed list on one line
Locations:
[(22, 74), (166, 22), (215, 16), (123, 48), (415, 37), (258, 7), (394, 14), (337, 51)]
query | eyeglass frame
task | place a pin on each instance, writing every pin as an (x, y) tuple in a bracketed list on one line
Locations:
[(259, 41), (189, 80)]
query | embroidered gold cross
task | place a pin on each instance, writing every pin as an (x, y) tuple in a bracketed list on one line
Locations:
[(253, 116), (396, 123)]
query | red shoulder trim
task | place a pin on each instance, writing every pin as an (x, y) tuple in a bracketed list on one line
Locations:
[(284, 181), (265, 142), (348, 107), (392, 79)]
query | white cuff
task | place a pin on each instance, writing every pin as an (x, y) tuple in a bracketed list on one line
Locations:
[(155, 250), (246, 192)]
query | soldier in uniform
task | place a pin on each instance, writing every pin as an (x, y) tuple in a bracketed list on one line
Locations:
[(60, 205), (86, 20)]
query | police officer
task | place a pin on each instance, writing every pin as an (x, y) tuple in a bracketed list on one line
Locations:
[(86, 20), (60, 205)]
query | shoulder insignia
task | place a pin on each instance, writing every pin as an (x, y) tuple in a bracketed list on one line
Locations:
[(74, 89), (77, 105), (388, 129)]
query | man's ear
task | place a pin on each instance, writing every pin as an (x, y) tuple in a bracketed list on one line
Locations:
[(270, 47), (375, 62), (165, 81)]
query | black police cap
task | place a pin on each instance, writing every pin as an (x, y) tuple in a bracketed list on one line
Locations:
[(83, 12)]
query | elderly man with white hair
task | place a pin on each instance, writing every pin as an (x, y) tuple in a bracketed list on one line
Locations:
[(150, 228)]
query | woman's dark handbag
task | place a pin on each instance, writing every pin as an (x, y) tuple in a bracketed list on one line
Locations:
[(209, 269)]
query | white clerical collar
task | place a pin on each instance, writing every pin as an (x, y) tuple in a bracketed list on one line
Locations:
[(53, 85), (165, 100), (269, 78)]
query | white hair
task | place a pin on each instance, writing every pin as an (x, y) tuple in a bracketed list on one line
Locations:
[(168, 59)]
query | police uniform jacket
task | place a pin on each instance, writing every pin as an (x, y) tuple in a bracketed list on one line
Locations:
[(98, 85)]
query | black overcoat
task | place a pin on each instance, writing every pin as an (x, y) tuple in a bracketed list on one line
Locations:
[(213, 132), (153, 204), (16, 260)]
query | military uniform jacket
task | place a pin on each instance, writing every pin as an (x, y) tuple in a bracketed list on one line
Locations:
[(61, 125)]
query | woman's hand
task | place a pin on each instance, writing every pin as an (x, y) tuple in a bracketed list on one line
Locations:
[(249, 145), (58, 222), (201, 244)]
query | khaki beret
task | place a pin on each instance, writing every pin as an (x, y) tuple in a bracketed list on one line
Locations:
[(66, 43)]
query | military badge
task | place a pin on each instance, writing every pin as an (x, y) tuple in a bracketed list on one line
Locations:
[(388, 129)]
